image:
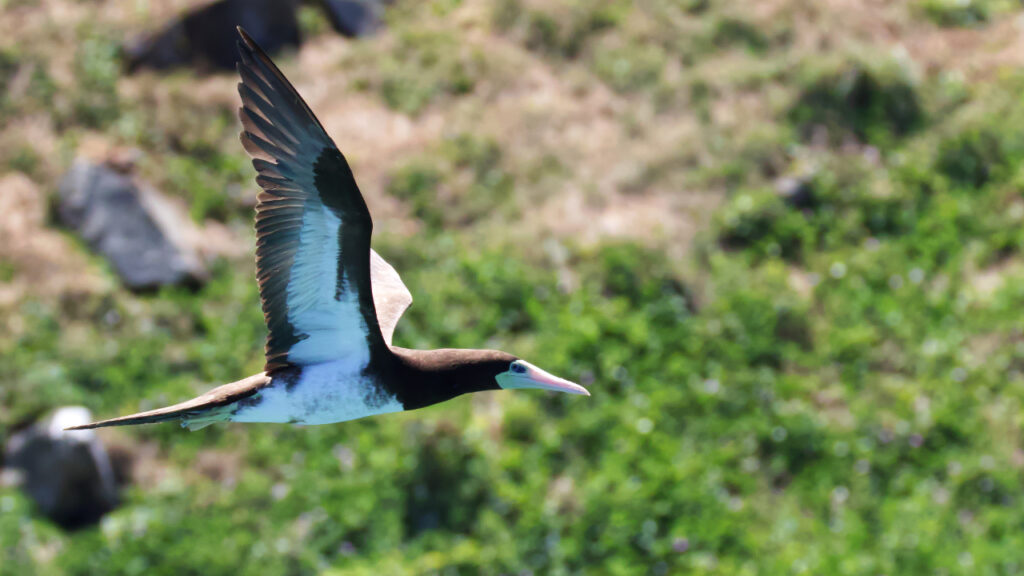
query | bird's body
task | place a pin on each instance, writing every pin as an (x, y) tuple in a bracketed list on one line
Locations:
[(318, 394), (330, 302)]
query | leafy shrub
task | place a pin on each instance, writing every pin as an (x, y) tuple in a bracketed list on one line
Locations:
[(25, 159), (188, 126), (729, 31), (761, 223), (425, 65), (631, 67), (590, 20), (562, 31), (207, 183), (96, 66), (35, 95), (977, 150), (626, 270), (875, 102), (957, 12), (506, 14), (417, 185), (542, 32), (968, 158), (447, 486), (462, 182)]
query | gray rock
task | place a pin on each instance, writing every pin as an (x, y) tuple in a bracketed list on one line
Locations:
[(67, 473), (131, 225), (205, 37), (354, 18)]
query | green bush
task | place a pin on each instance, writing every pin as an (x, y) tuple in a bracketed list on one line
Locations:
[(417, 185), (96, 102), (631, 67), (35, 95), (761, 223), (425, 65), (959, 12), (728, 31), (968, 158), (562, 31), (461, 182), (207, 183), (874, 102), (978, 150)]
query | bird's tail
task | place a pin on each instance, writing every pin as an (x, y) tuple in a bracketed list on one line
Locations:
[(217, 405), (191, 418)]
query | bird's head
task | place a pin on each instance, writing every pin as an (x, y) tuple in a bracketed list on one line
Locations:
[(453, 372), (521, 374)]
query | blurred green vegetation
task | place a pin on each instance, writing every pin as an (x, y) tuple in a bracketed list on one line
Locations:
[(831, 383), (456, 184), (873, 100), (422, 65), (964, 12)]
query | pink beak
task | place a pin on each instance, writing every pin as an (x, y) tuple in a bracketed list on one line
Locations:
[(536, 378)]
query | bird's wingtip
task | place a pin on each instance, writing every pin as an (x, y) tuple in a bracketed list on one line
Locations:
[(246, 43)]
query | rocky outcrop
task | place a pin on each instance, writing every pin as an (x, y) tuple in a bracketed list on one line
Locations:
[(142, 235), (354, 18), (206, 37), (67, 473)]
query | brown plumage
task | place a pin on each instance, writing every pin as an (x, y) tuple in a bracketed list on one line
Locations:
[(331, 303), (220, 396)]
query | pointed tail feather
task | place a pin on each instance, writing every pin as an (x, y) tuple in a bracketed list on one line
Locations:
[(214, 406), (150, 417)]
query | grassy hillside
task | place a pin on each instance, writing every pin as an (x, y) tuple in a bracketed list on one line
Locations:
[(827, 381)]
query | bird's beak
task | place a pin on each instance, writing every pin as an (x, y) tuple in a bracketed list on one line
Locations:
[(536, 378)]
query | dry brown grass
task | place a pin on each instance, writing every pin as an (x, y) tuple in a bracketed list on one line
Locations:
[(43, 261), (533, 107)]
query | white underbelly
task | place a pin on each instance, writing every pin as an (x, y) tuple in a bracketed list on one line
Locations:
[(322, 394)]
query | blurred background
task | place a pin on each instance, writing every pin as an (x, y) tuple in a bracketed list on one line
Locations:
[(780, 241)]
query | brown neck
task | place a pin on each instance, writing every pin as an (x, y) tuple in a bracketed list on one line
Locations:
[(427, 377)]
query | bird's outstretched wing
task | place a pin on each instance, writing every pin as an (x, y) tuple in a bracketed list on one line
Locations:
[(313, 257)]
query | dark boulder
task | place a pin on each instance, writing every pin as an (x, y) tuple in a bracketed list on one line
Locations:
[(142, 235), (206, 37), (67, 473), (353, 18)]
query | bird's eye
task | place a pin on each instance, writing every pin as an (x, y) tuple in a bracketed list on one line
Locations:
[(517, 368)]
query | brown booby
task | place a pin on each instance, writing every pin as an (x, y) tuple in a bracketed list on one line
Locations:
[(330, 302)]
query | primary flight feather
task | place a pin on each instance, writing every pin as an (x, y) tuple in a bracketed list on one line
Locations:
[(330, 302)]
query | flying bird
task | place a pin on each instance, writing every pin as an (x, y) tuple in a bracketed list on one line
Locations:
[(330, 301)]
